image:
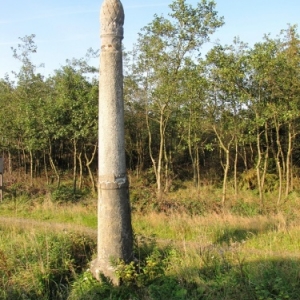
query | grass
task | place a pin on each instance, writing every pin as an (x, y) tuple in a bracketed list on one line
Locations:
[(191, 251), (40, 264), (82, 213)]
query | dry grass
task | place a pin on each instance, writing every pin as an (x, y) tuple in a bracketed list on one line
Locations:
[(218, 252), (185, 227)]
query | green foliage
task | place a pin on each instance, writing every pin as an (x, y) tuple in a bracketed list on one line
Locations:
[(87, 287), (143, 278), (167, 288), (65, 193), (195, 207), (247, 209), (141, 197), (180, 112), (40, 265), (274, 281), (143, 272)]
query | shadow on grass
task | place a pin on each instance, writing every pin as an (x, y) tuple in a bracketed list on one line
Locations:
[(217, 273), (220, 275), (232, 235), (262, 279), (229, 235)]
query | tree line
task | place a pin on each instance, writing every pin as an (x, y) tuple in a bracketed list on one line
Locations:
[(229, 117)]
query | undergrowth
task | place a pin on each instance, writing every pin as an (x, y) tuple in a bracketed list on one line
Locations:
[(38, 264), (186, 246), (211, 273)]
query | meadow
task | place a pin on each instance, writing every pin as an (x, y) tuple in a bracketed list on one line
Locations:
[(186, 247)]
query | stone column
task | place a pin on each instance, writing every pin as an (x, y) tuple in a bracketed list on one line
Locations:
[(115, 236)]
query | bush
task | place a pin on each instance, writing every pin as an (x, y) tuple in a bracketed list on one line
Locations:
[(245, 209), (66, 193)]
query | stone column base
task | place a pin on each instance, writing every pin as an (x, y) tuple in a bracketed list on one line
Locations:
[(103, 272)]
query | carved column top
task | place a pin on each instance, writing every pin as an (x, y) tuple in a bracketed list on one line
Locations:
[(112, 18)]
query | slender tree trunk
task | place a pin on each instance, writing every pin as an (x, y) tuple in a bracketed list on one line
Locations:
[(19, 158), (150, 146), (280, 180), (235, 169), (266, 157), (289, 167), (281, 153), (278, 157), (74, 165), (258, 175), (224, 190), (31, 168), (292, 173), (258, 166), (195, 158), (160, 155), (53, 165), (191, 153), (24, 162), (19, 162), (80, 170), (226, 150), (45, 168), (244, 157), (88, 164), (198, 168), (166, 160), (10, 169)]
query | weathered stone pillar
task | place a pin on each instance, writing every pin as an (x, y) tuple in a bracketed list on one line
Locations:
[(115, 236)]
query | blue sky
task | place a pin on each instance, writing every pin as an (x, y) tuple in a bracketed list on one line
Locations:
[(65, 29)]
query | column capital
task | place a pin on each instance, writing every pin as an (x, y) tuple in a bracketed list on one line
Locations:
[(112, 18)]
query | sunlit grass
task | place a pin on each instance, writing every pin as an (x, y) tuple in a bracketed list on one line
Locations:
[(213, 254), (38, 263), (84, 214)]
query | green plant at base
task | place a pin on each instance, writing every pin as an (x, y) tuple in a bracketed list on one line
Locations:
[(87, 287), (142, 273), (167, 288), (272, 285)]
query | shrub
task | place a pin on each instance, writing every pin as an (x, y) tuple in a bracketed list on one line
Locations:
[(66, 193), (245, 209)]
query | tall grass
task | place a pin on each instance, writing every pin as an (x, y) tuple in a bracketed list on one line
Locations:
[(39, 264), (185, 248)]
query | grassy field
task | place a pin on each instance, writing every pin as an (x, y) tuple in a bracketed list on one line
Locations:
[(186, 248)]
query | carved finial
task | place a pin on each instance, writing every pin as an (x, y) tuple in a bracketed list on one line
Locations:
[(112, 18)]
